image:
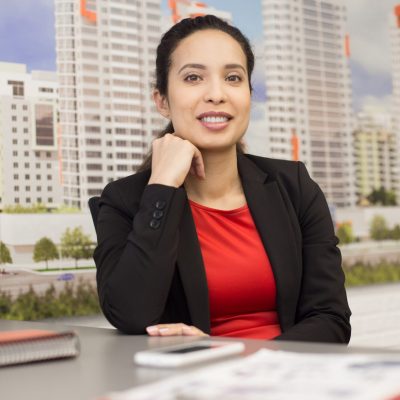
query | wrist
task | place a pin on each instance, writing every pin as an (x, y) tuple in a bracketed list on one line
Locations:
[(162, 181)]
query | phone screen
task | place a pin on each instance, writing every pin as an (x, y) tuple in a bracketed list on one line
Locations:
[(190, 349)]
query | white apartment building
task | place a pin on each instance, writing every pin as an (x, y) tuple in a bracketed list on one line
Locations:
[(309, 96), (395, 46), (105, 64), (29, 162), (181, 9), (375, 153)]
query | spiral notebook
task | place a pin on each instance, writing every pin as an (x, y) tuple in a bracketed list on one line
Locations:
[(25, 346)]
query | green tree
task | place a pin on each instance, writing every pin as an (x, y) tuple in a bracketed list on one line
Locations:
[(378, 228), (345, 233), (395, 232), (382, 197), (5, 256), (45, 250), (75, 244)]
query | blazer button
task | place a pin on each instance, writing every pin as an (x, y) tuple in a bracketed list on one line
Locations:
[(160, 205), (155, 224), (158, 214)]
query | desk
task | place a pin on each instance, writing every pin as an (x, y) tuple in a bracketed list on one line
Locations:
[(105, 364)]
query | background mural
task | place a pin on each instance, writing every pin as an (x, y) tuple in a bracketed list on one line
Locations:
[(76, 113)]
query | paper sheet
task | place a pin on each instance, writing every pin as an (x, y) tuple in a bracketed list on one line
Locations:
[(279, 375)]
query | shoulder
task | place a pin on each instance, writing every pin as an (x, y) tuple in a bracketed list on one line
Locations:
[(292, 178), (286, 172)]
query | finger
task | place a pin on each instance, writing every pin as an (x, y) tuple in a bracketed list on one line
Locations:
[(192, 331), (172, 330), (165, 329), (198, 164)]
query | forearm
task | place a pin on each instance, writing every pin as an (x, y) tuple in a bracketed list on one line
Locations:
[(136, 258), (319, 328)]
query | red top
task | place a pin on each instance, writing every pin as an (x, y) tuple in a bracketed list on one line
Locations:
[(241, 284)]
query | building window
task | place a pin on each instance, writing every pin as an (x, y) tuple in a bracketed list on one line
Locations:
[(50, 200), (27, 176), (16, 188), (44, 125), (18, 88), (14, 107), (28, 199)]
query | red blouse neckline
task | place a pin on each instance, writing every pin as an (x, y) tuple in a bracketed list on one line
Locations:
[(216, 210)]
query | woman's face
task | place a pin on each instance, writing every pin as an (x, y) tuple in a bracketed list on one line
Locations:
[(208, 98)]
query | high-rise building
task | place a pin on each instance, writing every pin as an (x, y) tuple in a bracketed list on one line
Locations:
[(181, 9), (375, 153), (105, 63), (395, 47), (309, 96), (29, 162)]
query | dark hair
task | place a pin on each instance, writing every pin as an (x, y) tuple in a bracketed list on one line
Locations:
[(170, 41)]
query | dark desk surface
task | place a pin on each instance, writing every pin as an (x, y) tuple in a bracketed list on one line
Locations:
[(106, 364)]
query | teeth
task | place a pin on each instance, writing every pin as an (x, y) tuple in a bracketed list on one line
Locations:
[(214, 119)]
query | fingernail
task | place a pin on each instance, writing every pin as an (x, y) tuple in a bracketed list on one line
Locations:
[(151, 329)]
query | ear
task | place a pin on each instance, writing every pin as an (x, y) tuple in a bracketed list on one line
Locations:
[(161, 103)]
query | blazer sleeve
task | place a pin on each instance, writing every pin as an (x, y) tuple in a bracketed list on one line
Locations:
[(136, 253), (323, 313)]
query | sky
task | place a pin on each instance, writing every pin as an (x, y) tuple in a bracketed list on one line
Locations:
[(27, 36)]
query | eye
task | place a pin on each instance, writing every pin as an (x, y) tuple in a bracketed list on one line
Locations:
[(192, 78), (234, 78)]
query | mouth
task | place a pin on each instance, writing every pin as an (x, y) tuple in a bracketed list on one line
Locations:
[(215, 120)]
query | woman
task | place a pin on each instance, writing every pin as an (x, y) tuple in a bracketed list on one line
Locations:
[(209, 240)]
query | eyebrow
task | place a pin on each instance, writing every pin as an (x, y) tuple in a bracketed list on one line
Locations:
[(203, 67)]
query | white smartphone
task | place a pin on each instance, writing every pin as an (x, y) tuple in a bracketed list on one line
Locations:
[(187, 353)]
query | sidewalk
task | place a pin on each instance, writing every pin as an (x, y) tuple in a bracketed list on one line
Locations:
[(376, 315)]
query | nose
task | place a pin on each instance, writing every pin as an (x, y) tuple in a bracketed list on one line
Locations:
[(215, 92)]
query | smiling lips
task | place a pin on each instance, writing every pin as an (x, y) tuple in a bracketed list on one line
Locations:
[(214, 121)]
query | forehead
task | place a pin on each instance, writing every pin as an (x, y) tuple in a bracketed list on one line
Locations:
[(208, 47)]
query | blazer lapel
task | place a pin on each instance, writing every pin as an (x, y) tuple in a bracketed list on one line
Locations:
[(273, 224), (192, 272)]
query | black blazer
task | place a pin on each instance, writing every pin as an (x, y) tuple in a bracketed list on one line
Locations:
[(150, 268)]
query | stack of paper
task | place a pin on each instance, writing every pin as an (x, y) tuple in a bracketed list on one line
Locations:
[(278, 375)]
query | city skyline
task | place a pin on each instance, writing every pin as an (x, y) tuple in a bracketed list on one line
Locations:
[(367, 24), (302, 108)]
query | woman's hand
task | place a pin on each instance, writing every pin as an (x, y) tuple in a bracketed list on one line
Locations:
[(173, 158), (174, 330)]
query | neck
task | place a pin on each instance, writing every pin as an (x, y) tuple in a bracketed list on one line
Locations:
[(222, 178)]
